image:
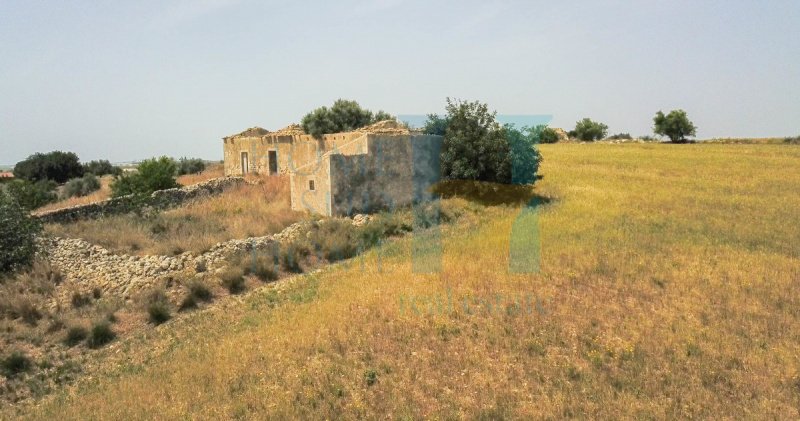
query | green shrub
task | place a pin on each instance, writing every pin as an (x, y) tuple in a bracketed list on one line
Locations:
[(477, 147), (548, 135), (343, 116), (620, 136), (101, 334), (17, 236), (101, 167), (200, 291), (75, 335), (55, 166), (335, 239), (151, 175), (792, 140), (32, 195), (371, 377), (81, 186), (291, 255), (15, 363), (190, 166), (233, 279), (261, 266), (158, 309), (158, 312), (588, 130)]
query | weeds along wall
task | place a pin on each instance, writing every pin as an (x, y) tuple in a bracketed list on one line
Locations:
[(161, 199)]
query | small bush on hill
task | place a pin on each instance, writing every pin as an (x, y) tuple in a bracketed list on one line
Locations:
[(17, 236), (291, 254), (101, 167), (79, 299), (32, 195), (81, 186), (190, 166), (15, 363), (233, 279), (588, 130), (101, 334), (75, 335), (55, 166), (620, 136), (343, 116), (197, 291), (151, 175), (792, 140), (334, 239), (158, 309), (262, 267)]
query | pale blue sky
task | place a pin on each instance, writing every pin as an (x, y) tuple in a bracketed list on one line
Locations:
[(129, 80)]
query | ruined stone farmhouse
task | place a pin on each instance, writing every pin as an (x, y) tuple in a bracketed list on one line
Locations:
[(382, 166)]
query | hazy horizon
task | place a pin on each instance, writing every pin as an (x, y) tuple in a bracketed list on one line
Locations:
[(129, 81)]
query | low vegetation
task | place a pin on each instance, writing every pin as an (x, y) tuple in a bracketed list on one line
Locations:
[(78, 187), (17, 236), (666, 290), (151, 175), (675, 125), (240, 212), (588, 130), (55, 166)]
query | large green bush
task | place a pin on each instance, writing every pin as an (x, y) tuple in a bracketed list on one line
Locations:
[(343, 116), (548, 135), (476, 147), (675, 125), (81, 186), (588, 130), (17, 236), (151, 175), (31, 195), (56, 166), (101, 167)]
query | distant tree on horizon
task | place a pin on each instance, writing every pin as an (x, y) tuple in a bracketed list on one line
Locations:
[(675, 125)]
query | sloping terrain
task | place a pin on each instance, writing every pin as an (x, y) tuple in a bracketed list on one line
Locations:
[(668, 288)]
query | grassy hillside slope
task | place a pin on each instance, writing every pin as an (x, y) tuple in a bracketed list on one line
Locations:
[(668, 289)]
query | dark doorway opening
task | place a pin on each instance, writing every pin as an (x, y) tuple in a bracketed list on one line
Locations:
[(273, 162)]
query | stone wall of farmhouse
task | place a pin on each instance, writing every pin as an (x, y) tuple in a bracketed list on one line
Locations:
[(161, 199)]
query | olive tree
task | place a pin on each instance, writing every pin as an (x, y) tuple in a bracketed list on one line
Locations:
[(675, 125)]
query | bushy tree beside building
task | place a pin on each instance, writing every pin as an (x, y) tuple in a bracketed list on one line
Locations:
[(477, 147)]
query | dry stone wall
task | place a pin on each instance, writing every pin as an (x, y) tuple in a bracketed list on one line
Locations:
[(161, 199)]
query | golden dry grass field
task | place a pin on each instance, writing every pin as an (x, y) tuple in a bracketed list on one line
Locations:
[(668, 289)]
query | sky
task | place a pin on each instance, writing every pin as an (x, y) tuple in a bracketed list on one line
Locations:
[(130, 80)]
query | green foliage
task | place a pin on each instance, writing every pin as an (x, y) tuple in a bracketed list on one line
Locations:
[(792, 140), (435, 125), (675, 125), (81, 186), (158, 310), (476, 147), (588, 130), (56, 166), (343, 116), (17, 236), (548, 135), (525, 159), (621, 136), (32, 195), (101, 334), (190, 166), (75, 335), (198, 291), (15, 363), (101, 167), (151, 175), (262, 267)]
